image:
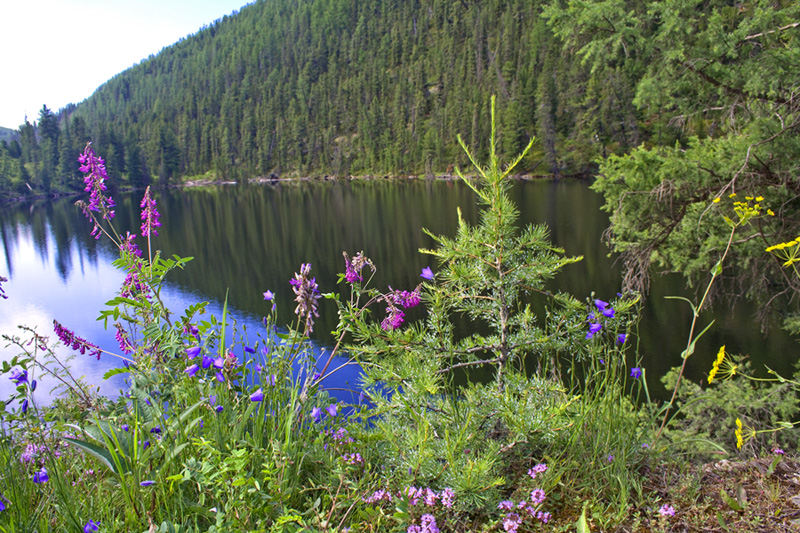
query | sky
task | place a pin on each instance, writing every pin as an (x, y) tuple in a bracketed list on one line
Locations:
[(57, 52)]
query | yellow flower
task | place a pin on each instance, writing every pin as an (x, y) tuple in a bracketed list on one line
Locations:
[(716, 200), (732, 195), (759, 198), (770, 212), (738, 433), (715, 366)]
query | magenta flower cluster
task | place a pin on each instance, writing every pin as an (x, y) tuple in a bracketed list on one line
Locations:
[(76, 343), (427, 496), (396, 301), (354, 266), (149, 215), (95, 184), (516, 513)]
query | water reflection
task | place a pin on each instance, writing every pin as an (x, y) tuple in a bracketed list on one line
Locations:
[(247, 239)]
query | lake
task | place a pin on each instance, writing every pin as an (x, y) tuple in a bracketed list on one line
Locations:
[(246, 239)]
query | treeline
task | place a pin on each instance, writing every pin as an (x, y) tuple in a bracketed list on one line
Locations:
[(340, 87)]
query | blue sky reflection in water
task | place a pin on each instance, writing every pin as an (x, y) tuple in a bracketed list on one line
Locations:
[(49, 283), (249, 239)]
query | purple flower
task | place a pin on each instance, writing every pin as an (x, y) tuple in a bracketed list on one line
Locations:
[(149, 215), (130, 247), (353, 267), (192, 370), (192, 352), (90, 526), (41, 476), (331, 409), (427, 273), (506, 505), (257, 396), (147, 483), (538, 469), (306, 291), (19, 376), (125, 427), (249, 350), (666, 510), (447, 496), (608, 312), (636, 372), (621, 338), (269, 295), (155, 430), (207, 361), (594, 328), (76, 343), (537, 496), (2, 503), (220, 377), (394, 317), (122, 338), (610, 458), (95, 169), (316, 414), (219, 362), (600, 304), (24, 407)]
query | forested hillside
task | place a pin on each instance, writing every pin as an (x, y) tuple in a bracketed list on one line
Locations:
[(340, 87)]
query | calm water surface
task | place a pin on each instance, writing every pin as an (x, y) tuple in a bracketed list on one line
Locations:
[(246, 239)]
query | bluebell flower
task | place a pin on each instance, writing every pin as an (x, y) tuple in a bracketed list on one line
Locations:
[(207, 361), (636, 372), (19, 376), (608, 312), (316, 414), (220, 377), (249, 349), (24, 407), (193, 352), (192, 370), (331, 409), (257, 396), (600, 304), (621, 338), (91, 526), (427, 273), (125, 427), (147, 483), (41, 476)]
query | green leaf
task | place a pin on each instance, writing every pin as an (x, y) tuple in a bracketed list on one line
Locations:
[(690, 350), (582, 526), (115, 372), (731, 502), (101, 454)]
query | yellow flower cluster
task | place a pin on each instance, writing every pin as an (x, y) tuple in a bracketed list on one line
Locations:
[(789, 251), (744, 210), (715, 366), (738, 433), (723, 366)]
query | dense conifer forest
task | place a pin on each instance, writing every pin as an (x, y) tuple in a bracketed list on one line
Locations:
[(339, 87)]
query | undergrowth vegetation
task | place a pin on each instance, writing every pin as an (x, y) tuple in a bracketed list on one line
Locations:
[(560, 436)]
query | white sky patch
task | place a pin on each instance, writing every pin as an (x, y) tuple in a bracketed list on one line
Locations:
[(57, 52)]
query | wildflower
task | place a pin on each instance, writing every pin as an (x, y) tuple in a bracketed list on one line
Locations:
[(537, 496), (156, 430), (207, 361), (600, 304), (76, 343), (257, 396), (24, 406), (122, 338), (666, 510), (777, 451), (219, 362), (316, 414), (307, 294), (608, 312), (90, 526), (212, 401), (427, 273), (331, 409), (354, 266), (192, 352), (129, 247), (594, 327), (31, 451), (506, 505), (447, 496), (269, 296), (95, 169), (717, 362), (394, 317), (538, 469), (636, 372), (41, 476), (149, 215), (511, 522), (19, 376), (125, 427), (2, 503), (716, 200), (220, 377), (610, 458), (192, 370), (248, 349), (428, 524), (621, 338), (147, 483), (738, 433)]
